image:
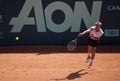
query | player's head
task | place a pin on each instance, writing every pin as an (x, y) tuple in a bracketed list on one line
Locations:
[(98, 25)]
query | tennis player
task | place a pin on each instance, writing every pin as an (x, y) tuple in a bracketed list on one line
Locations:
[(95, 33)]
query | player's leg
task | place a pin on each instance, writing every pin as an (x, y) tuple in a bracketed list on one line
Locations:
[(93, 53), (92, 56), (89, 53)]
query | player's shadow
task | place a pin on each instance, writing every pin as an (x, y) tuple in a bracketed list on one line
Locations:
[(73, 75)]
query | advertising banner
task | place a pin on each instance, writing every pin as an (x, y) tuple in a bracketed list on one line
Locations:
[(57, 22)]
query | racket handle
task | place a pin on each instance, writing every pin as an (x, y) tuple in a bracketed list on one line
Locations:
[(76, 37)]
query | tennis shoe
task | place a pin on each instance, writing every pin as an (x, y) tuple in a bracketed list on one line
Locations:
[(90, 65)]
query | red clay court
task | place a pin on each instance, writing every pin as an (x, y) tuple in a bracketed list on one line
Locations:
[(56, 63)]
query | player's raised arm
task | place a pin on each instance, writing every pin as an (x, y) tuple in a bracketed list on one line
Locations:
[(84, 32)]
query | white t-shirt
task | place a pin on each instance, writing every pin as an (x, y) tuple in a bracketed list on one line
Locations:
[(95, 33)]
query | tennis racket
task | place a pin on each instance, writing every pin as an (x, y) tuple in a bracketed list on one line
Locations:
[(72, 44)]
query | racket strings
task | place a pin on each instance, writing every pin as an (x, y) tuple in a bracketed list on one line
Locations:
[(72, 45)]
